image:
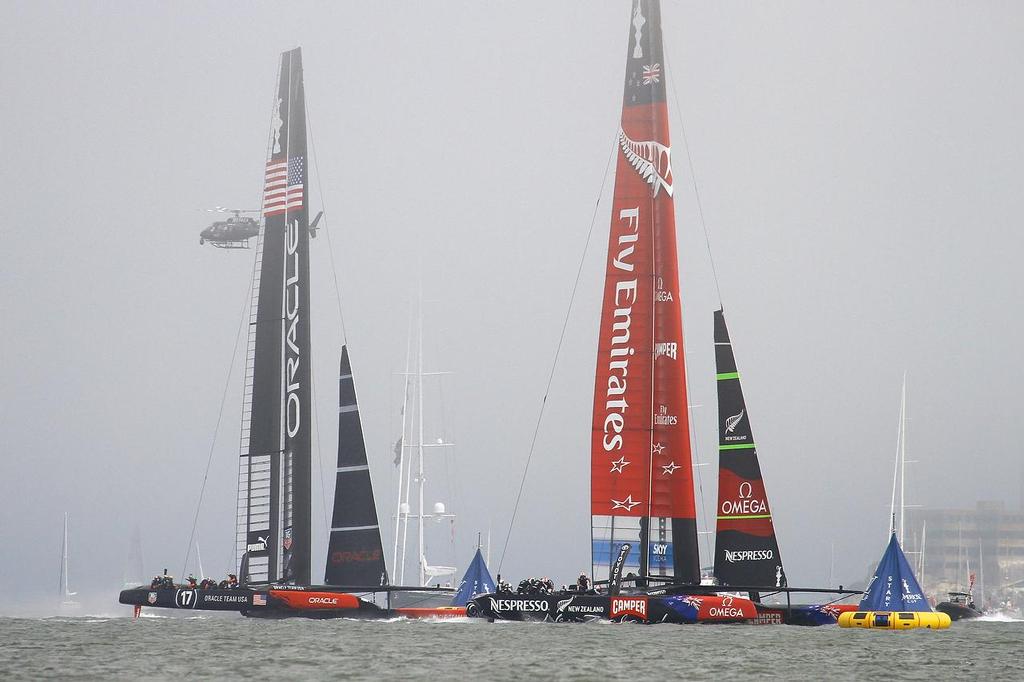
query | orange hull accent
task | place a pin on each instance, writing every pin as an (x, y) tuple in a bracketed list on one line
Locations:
[(437, 612)]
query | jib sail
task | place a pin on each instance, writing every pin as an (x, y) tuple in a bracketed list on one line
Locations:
[(746, 550), (355, 555), (274, 476), (641, 470)]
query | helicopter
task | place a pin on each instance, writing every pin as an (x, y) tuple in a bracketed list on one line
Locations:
[(232, 233), (236, 231)]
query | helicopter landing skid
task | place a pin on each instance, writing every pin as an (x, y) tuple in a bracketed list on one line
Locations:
[(243, 244)]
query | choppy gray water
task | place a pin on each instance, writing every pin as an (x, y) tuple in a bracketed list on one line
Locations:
[(235, 647)]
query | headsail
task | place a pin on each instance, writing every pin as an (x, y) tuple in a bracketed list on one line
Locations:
[(893, 587), (746, 550), (641, 464), (355, 555), (274, 476), (477, 580)]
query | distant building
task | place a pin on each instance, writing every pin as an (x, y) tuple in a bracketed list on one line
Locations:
[(987, 541)]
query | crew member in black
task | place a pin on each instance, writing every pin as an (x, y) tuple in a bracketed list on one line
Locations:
[(583, 583)]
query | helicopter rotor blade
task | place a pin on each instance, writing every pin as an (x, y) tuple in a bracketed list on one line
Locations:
[(223, 209)]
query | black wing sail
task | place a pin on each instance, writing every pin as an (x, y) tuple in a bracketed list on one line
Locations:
[(274, 475), (746, 550), (356, 554)]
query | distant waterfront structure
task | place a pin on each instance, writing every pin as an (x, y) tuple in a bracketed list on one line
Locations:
[(987, 541)]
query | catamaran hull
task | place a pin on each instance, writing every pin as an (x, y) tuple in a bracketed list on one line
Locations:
[(802, 614), (271, 603), (279, 603), (569, 607)]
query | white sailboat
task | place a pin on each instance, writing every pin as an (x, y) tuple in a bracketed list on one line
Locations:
[(411, 451), (67, 604)]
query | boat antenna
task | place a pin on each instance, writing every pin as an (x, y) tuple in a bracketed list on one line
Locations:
[(558, 348)]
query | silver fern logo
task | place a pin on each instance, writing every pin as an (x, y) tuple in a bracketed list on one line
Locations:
[(638, 33), (732, 422), (652, 160)]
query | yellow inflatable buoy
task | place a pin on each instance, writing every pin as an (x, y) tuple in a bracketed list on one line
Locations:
[(894, 620)]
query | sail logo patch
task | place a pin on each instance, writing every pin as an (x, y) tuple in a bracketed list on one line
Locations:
[(663, 418), (622, 318), (151, 598), (667, 349), (293, 356), (652, 74), (749, 555), (732, 422), (259, 546), (629, 606), (744, 507), (651, 159)]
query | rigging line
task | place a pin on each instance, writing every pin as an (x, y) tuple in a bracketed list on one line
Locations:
[(700, 480), (693, 177), (327, 231), (558, 348), (319, 456), (216, 428)]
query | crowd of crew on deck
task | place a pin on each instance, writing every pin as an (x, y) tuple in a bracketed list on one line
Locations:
[(535, 586), (167, 582)]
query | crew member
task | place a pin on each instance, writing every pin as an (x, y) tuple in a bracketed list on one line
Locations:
[(583, 582)]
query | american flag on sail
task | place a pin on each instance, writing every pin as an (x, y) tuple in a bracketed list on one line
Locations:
[(282, 188)]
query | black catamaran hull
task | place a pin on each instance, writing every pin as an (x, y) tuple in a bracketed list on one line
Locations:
[(268, 603), (575, 607)]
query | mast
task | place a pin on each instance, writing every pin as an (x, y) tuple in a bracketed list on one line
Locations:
[(746, 548), (421, 559), (274, 504), (903, 458), (413, 425), (400, 454), (64, 562), (355, 554), (641, 462)]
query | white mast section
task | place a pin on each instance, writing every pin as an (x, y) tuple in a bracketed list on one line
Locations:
[(413, 469), (399, 516), (419, 474), (64, 558), (903, 457)]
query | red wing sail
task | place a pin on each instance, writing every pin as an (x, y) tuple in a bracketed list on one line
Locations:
[(641, 469)]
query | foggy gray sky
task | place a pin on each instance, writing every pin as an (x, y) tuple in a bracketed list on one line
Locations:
[(859, 166)]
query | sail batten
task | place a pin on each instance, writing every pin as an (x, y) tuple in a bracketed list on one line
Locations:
[(641, 462)]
